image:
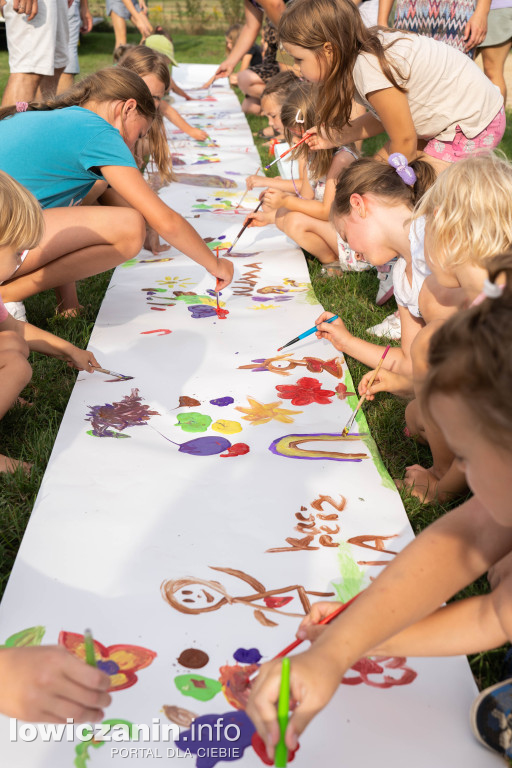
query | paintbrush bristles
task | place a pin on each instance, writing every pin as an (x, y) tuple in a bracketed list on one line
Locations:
[(349, 423)]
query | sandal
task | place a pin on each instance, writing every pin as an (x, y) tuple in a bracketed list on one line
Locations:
[(332, 270), (265, 133)]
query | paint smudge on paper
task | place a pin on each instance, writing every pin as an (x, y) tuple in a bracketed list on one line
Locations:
[(247, 655), (237, 449), (194, 596), (120, 662), (288, 446), (193, 421), (222, 401), (205, 180), (207, 159), (262, 413), (197, 686), (270, 298), (236, 685), (160, 331), (201, 310), (283, 364), (117, 730), (342, 393), (128, 412), (258, 745), (206, 740), (182, 717), (171, 282), (205, 446), (352, 577), (305, 391), (381, 672), (265, 306), (134, 261), (226, 427), (245, 285), (193, 658), (221, 313), (187, 402)]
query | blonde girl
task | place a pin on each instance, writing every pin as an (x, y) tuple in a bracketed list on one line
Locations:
[(58, 149), (372, 211), (426, 96), (402, 613)]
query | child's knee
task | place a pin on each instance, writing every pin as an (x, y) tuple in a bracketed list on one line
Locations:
[(291, 222), (412, 418), (133, 229), (10, 341), (14, 365)]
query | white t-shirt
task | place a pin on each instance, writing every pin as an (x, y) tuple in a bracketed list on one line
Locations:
[(445, 88), (407, 293)]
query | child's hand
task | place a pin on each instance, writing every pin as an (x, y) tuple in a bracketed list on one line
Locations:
[(274, 199), (318, 140), (335, 332), (386, 381), (82, 359), (313, 680), (309, 629), (224, 273), (255, 181), (48, 684), (258, 219), (198, 134)]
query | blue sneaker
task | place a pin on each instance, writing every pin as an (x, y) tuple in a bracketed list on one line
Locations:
[(491, 718)]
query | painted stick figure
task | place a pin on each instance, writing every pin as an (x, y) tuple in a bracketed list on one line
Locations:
[(191, 595)]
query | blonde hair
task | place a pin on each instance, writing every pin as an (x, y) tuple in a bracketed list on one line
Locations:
[(312, 23), (469, 358), (469, 211), (232, 33), (146, 61), (21, 217)]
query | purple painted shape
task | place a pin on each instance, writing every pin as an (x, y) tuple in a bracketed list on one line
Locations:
[(216, 734), (247, 655), (211, 292), (272, 298), (222, 401), (201, 310), (205, 446)]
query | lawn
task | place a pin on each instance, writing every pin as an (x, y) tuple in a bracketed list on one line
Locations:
[(29, 432)]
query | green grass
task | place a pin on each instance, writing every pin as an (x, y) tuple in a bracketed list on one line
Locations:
[(29, 432)]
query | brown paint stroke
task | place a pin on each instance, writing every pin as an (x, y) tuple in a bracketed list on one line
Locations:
[(334, 530), (193, 658), (326, 541), (248, 280), (373, 562), (260, 616), (318, 503), (328, 517), (361, 541), (296, 545), (180, 716), (305, 526)]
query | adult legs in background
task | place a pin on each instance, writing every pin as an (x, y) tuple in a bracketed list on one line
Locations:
[(494, 58)]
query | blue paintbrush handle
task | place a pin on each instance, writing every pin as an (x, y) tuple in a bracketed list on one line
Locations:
[(314, 328)]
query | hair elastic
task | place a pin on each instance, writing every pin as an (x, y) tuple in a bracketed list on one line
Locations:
[(21, 106), (401, 166), (492, 290)]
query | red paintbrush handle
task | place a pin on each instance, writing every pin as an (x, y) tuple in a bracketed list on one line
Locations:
[(326, 620)]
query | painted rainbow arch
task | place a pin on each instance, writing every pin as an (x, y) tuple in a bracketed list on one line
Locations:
[(289, 446)]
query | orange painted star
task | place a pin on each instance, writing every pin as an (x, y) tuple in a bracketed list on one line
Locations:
[(262, 413)]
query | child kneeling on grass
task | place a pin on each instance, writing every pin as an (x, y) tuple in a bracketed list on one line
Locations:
[(22, 227), (401, 613)]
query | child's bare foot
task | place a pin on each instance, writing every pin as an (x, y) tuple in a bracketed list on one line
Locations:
[(69, 311), (12, 465), (421, 483), (23, 403)]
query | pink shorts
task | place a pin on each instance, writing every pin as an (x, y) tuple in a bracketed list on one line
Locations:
[(462, 147)]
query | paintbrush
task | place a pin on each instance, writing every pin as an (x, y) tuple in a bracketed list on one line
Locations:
[(306, 136), (90, 656), (326, 620), (306, 333), (246, 191), (283, 714), (237, 238), (218, 305), (209, 82), (113, 373), (348, 425)]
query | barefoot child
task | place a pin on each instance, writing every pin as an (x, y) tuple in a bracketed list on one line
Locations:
[(58, 150), (428, 97), (402, 613), (21, 227)]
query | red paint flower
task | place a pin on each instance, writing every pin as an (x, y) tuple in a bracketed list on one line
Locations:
[(237, 449), (306, 391), (277, 602), (259, 747), (373, 672), (120, 662), (342, 392)]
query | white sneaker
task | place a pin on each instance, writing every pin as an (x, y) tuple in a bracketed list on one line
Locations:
[(385, 291), (390, 328), (17, 310)]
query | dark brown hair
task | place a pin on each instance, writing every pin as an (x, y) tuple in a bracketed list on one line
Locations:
[(370, 176), (312, 23), (469, 356), (280, 86)]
